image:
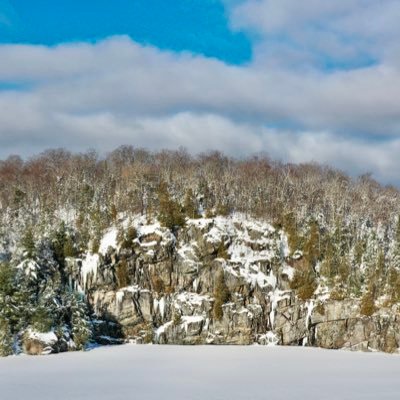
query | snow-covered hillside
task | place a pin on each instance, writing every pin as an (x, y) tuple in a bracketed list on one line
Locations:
[(220, 280)]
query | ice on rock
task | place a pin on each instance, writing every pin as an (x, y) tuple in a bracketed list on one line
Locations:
[(89, 268)]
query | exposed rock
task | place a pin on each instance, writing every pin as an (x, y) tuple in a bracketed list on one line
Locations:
[(36, 343), (172, 283)]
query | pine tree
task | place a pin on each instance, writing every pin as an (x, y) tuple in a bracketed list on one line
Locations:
[(170, 214), (80, 322), (15, 299), (190, 205), (58, 242)]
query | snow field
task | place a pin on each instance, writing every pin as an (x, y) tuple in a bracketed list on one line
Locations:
[(201, 372)]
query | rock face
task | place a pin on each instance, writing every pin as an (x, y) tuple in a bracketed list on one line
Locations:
[(217, 281)]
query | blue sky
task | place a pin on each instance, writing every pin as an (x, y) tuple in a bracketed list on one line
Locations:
[(305, 81), (199, 26)]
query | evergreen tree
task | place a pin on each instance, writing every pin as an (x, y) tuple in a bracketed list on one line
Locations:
[(42, 319), (6, 338), (190, 205), (170, 214), (80, 321), (15, 299), (28, 244)]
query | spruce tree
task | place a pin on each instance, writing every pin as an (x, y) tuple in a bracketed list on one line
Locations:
[(80, 322)]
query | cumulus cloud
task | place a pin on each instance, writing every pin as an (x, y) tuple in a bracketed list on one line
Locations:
[(343, 31)]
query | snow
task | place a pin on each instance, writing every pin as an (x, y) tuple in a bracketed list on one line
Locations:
[(161, 304), (47, 337), (162, 328), (274, 297), (251, 245), (191, 319), (90, 265), (310, 306), (201, 372), (288, 270), (108, 240), (30, 268), (192, 298), (270, 339)]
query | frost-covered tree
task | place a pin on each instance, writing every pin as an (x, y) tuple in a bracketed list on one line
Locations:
[(80, 321)]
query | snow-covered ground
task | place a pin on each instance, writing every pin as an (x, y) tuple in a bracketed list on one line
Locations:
[(201, 372)]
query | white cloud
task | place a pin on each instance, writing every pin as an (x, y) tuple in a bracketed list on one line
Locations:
[(342, 30), (117, 92)]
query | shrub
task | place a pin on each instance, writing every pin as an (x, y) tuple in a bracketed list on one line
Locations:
[(210, 213), (158, 284), (290, 227), (95, 245), (222, 252), (222, 209), (221, 296), (337, 294), (303, 280), (127, 238), (320, 308), (122, 274), (368, 304), (306, 291), (176, 318)]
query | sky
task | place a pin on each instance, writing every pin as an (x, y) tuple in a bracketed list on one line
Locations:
[(310, 81)]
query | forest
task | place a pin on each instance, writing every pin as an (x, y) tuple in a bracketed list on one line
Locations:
[(343, 232)]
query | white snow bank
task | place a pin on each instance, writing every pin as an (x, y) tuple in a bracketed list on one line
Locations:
[(202, 372), (48, 337)]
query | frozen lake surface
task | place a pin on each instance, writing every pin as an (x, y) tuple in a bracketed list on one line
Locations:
[(201, 372)]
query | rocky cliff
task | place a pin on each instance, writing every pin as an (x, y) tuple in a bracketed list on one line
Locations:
[(224, 280)]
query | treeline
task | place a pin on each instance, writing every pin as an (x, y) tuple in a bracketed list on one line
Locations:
[(128, 180)]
